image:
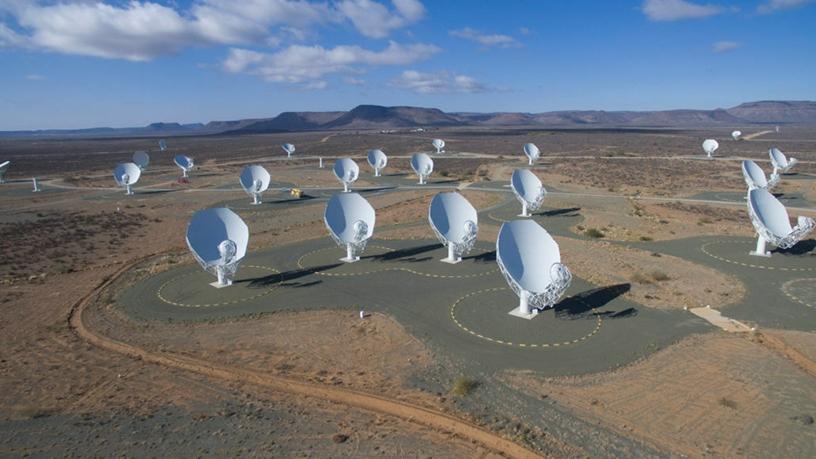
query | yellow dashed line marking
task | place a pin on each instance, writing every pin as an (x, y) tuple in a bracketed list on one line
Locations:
[(506, 343), (793, 297), (704, 248), (212, 305), (408, 270)]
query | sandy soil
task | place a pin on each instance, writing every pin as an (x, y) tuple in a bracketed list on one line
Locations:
[(662, 282), (712, 395)]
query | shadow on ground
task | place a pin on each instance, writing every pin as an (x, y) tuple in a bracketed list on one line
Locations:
[(580, 306)]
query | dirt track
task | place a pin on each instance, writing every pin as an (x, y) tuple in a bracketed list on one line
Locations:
[(403, 410)]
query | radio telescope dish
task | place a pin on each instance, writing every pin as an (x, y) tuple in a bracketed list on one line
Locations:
[(162, 145), (141, 159), (780, 162), (439, 144), (289, 149), (532, 152), (126, 175), (377, 160), (185, 163), (454, 220), (350, 220), (347, 171), (528, 190), (4, 166), (36, 184), (710, 146), (755, 176), (422, 164), (218, 239), (736, 135), (772, 223), (255, 180), (530, 261)]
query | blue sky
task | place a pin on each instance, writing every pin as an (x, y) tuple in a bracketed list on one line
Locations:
[(73, 63)]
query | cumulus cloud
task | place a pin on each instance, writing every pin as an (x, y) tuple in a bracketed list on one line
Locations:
[(504, 41), (724, 46), (777, 5), (439, 82), (675, 10), (375, 20), (307, 65), (143, 30)]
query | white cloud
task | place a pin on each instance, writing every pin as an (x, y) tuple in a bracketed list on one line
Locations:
[(674, 10), (439, 82), (777, 5), (143, 30), (374, 20), (35, 77), (504, 41), (299, 64), (525, 30), (724, 46)]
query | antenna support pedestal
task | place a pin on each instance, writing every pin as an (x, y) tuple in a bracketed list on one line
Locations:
[(524, 211), (523, 310), (256, 199), (223, 279), (349, 258), (345, 187), (128, 190), (760, 248), (451, 258)]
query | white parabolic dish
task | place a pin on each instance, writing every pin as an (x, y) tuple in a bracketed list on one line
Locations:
[(755, 177), (532, 152), (530, 260), (184, 162), (439, 144), (455, 223), (772, 223), (350, 219), (288, 148), (780, 162), (710, 146), (422, 164), (255, 180), (218, 239), (736, 135), (528, 190), (377, 160), (347, 171), (126, 175), (4, 166), (141, 159), (162, 145)]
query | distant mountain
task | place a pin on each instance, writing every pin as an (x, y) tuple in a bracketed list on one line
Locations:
[(771, 111), (379, 117)]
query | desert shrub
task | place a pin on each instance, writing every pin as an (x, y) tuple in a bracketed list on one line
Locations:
[(646, 238), (594, 232), (640, 278), (463, 386), (660, 276), (728, 403)]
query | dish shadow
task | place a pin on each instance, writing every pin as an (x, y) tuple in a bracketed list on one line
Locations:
[(808, 246), (572, 211), (284, 279), (407, 254), (581, 306)]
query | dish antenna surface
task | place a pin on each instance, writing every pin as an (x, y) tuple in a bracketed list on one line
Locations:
[(126, 175), (528, 190), (347, 171), (454, 220), (377, 160), (710, 146), (530, 261), (218, 239), (162, 145), (439, 144), (772, 223), (350, 220), (255, 180), (780, 162), (185, 163), (4, 166), (755, 176), (141, 159), (532, 152), (289, 149), (422, 164), (736, 135)]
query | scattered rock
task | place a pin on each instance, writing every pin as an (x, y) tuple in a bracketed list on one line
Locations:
[(340, 438)]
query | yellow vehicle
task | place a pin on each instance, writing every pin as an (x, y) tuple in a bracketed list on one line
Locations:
[(296, 192)]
